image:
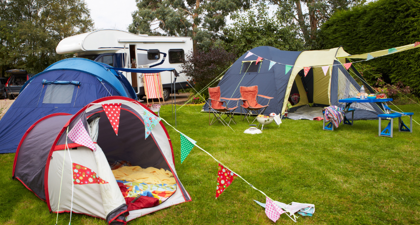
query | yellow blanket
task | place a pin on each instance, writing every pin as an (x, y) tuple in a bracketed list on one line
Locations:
[(150, 175)]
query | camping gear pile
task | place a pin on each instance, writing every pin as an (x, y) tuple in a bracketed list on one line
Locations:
[(334, 114)]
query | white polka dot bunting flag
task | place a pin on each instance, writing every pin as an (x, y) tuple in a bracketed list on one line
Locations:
[(150, 121), (272, 210), (112, 111), (224, 179), (79, 135), (187, 144)]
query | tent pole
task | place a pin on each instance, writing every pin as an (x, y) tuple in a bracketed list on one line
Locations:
[(174, 103)]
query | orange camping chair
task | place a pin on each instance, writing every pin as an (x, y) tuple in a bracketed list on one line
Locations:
[(216, 107), (250, 104)]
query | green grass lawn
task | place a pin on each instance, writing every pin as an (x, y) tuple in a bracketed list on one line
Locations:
[(351, 175)]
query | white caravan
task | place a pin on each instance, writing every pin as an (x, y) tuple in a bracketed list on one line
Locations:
[(122, 49)]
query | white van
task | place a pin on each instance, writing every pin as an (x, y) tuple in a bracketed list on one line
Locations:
[(122, 49)]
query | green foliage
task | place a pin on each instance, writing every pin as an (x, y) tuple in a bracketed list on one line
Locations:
[(351, 175), (257, 28), (204, 66), (200, 19), (309, 15), (31, 29), (380, 25)]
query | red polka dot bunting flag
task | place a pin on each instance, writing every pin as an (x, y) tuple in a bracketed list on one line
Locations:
[(83, 175), (306, 70), (112, 111), (224, 179), (272, 210), (258, 60)]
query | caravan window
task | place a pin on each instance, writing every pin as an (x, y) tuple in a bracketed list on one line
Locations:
[(176, 55), (107, 59), (153, 54), (250, 66), (58, 94)]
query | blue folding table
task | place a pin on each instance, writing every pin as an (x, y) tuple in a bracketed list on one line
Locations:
[(388, 131)]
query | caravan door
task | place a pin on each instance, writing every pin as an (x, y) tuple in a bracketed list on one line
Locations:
[(133, 64)]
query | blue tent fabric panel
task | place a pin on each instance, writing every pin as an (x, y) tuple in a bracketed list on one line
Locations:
[(272, 83), (91, 67), (29, 106)]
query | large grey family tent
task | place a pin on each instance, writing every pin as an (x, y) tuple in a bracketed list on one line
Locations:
[(65, 86), (49, 163), (280, 74)]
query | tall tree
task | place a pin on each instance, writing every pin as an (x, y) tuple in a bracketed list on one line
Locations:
[(31, 29), (199, 19), (309, 15), (257, 28)]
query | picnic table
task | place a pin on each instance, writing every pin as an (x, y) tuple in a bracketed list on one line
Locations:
[(350, 101)]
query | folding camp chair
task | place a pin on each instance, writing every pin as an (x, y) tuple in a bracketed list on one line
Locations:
[(216, 107), (153, 87), (250, 104)]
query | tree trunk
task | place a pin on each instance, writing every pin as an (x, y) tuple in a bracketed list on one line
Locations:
[(313, 20), (194, 27), (301, 21)]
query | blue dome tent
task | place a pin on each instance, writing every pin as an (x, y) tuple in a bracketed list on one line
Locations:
[(64, 87)]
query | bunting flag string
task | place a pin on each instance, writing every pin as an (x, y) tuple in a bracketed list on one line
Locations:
[(187, 144), (224, 179), (79, 135), (150, 121), (249, 54), (289, 67), (112, 111), (272, 210), (306, 70), (83, 175), (325, 70), (392, 50), (258, 60), (271, 65), (347, 65), (232, 174)]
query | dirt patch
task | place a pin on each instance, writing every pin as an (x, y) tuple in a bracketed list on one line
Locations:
[(4, 106)]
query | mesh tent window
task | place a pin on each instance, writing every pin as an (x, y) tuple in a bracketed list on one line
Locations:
[(250, 66), (59, 94)]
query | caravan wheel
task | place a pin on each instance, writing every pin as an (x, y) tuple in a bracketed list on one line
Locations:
[(166, 94)]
